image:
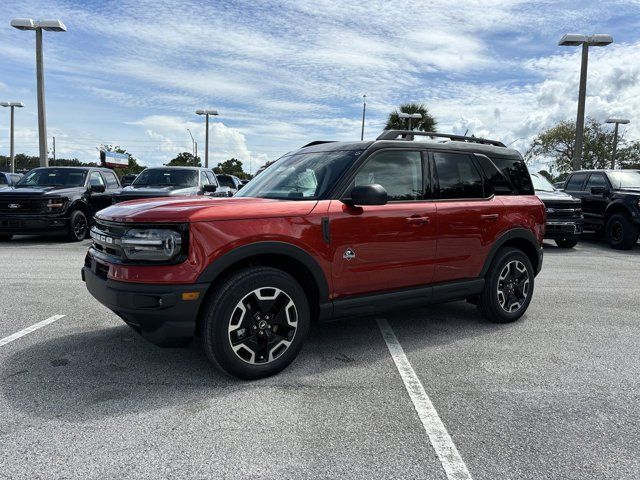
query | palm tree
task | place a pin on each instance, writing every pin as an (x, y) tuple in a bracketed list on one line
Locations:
[(426, 124)]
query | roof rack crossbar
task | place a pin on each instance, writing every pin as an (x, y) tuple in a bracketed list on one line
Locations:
[(394, 134)]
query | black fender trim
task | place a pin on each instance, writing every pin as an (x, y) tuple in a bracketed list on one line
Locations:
[(268, 248), (513, 234)]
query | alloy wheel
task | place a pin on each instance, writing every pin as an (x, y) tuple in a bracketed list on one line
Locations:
[(263, 325), (513, 286), (80, 226)]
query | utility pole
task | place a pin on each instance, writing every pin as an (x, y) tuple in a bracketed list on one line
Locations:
[(12, 105), (206, 113), (54, 149), (364, 110), (617, 122)]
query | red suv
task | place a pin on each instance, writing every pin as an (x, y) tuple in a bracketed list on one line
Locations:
[(332, 230)]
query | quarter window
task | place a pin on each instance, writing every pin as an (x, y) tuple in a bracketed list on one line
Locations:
[(399, 172), (576, 181), (211, 177), (457, 176)]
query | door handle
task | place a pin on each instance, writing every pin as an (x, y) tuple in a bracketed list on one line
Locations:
[(417, 220), (490, 217)]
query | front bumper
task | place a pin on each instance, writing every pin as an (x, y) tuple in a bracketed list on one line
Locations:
[(558, 229), (33, 224), (158, 312)]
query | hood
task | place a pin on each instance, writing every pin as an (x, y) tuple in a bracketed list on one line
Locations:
[(632, 191), (40, 191), (201, 209), (155, 191), (556, 196)]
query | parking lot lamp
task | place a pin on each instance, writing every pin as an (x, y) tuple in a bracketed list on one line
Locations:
[(11, 105), (206, 113), (573, 40), (409, 117), (39, 26), (616, 121)]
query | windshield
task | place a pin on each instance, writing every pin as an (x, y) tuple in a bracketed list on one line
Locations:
[(541, 184), (622, 179), (300, 176), (226, 181), (166, 177), (53, 177)]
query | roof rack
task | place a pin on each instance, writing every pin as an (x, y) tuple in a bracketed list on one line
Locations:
[(317, 142), (394, 134)]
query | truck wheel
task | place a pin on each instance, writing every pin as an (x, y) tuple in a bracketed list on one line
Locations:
[(5, 238), (622, 233), (508, 286), (255, 323), (567, 242), (78, 226)]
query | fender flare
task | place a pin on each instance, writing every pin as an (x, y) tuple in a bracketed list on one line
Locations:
[(215, 268), (618, 204), (513, 234)]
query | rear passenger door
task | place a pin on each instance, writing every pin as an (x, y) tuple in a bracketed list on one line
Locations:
[(576, 187), (469, 216), (594, 204)]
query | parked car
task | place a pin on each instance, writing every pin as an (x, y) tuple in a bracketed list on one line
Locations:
[(171, 182), (9, 179), (56, 200), (610, 203), (564, 213), (230, 184), (128, 179), (331, 230), (558, 185)]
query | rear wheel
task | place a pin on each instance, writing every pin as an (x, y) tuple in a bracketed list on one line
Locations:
[(508, 286), (621, 232), (78, 226), (255, 323), (567, 242), (5, 238)]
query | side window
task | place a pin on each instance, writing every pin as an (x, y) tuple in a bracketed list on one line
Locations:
[(3, 179), (211, 177), (575, 182), (516, 171), (497, 178), (596, 180), (457, 176), (112, 181), (95, 179), (204, 180), (15, 178), (399, 172)]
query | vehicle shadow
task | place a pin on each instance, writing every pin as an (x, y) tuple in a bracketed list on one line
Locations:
[(589, 241), (113, 372), (22, 240)]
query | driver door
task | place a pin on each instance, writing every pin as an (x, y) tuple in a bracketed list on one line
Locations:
[(97, 200)]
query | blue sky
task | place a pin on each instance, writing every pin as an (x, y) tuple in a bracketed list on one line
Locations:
[(285, 73)]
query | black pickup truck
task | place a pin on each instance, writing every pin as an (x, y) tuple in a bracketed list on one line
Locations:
[(56, 200), (610, 203)]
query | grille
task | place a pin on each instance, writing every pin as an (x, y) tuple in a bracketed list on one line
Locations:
[(563, 212), (106, 238), (17, 205)]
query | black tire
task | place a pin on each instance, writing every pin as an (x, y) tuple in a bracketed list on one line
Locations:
[(78, 226), (621, 232), (224, 311), (492, 304), (5, 238), (567, 242)]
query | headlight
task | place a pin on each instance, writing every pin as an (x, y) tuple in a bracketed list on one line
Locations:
[(153, 244), (56, 203)]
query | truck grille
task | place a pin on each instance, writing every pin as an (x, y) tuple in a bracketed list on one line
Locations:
[(563, 212), (106, 238), (17, 205)]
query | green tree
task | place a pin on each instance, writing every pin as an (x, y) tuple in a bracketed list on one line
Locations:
[(262, 168), (184, 159), (427, 124), (233, 166)]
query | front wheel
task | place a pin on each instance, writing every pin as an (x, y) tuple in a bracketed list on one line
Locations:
[(255, 323), (508, 287), (78, 226), (621, 232), (567, 242)]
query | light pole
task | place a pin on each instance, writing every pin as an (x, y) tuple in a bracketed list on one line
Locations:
[(573, 40), (617, 121), (193, 143), (39, 26), (364, 110), (409, 117), (12, 105), (206, 137)]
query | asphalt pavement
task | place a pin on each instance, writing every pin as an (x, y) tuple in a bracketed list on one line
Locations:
[(555, 395)]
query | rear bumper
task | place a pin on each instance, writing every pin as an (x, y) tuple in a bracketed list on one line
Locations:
[(32, 225), (158, 312)]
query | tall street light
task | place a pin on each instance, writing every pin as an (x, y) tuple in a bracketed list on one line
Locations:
[(194, 145), (206, 138), (617, 121), (409, 117), (364, 110), (573, 40), (39, 26), (12, 105)]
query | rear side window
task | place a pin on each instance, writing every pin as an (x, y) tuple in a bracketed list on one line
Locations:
[(576, 181), (204, 180), (112, 181), (497, 179), (95, 179), (457, 176), (3, 179), (596, 180), (516, 171)]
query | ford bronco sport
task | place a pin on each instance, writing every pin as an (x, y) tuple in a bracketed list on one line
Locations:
[(332, 230)]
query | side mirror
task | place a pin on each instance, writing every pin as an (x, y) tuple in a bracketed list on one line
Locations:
[(209, 188), (97, 188), (598, 190), (374, 194)]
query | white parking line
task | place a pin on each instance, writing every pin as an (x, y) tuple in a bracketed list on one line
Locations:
[(444, 447), (30, 329)]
